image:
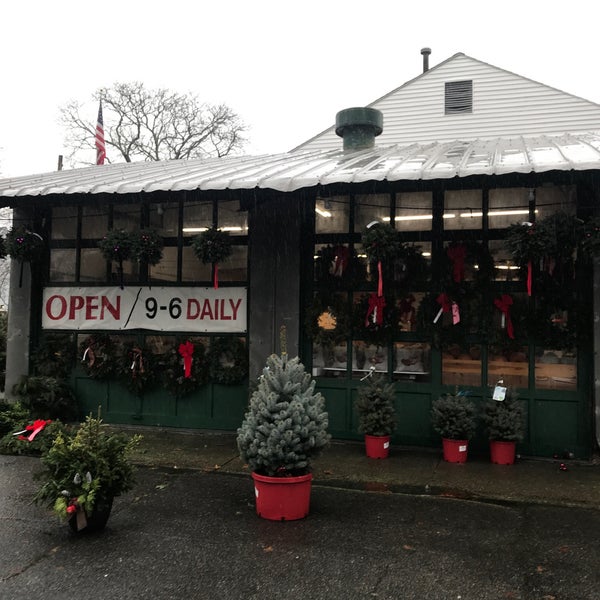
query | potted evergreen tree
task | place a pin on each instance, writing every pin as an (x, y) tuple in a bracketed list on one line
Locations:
[(83, 472), (284, 428), (504, 423), (376, 415), (453, 417)]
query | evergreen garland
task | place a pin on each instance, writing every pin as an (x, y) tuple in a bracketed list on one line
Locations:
[(212, 246), (286, 423)]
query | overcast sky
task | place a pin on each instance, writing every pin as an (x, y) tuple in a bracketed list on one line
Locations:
[(285, 67)]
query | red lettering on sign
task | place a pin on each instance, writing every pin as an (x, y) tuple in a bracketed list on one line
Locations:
[(75, 304), (206, 310), (235, 307), (62, 303), (193, 308), (114, 310)]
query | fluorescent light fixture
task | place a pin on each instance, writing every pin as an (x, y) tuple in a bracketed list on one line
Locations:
[(231, 228), (323, 213), (507, 267), (194, 229)]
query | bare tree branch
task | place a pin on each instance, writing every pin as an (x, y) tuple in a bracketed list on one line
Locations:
[(142, 124)]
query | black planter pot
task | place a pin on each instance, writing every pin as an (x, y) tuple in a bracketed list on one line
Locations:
[(96, 520)]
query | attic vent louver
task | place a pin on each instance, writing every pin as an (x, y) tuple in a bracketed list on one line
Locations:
[(459, 97)]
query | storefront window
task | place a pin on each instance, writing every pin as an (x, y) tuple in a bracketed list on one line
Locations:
[(552, 199), (235, 268), (192, 268), (505, 268), (62, 264), (94, 221), (413, 211), (462, 209), (332, 215), (508, 206), (461, 364), (93, 265), (166, 269), (64, 223), (510, 364), (164, 218), (231, 218), (197, 217), (369, 208), (555, 369), (126, 216), (412, 361)]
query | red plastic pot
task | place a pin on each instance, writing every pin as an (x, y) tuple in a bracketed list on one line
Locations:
[(377, 446), (455, 451), (502, 453), (282, 498)]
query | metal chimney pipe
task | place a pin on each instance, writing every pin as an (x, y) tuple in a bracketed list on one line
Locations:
[(358, 127), (425, 52)]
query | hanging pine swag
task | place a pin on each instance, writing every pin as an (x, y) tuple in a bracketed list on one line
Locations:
[(212, 246), (118, 245), (227, 360), (100, 356), (148, 246), (24, 245), (172, 366)]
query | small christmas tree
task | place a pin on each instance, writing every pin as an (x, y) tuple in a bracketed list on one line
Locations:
[(504, 420), (286, 424), (375, 407), (453, 416)]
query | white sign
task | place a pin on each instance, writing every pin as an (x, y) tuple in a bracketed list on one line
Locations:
[(155, 308)]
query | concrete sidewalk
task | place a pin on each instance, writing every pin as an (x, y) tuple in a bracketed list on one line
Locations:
[(407, 470)]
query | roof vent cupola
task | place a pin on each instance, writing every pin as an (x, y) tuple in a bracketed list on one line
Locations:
[(358, 127), (425, 52)]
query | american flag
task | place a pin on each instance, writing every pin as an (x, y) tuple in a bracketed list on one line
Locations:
[(100, 148)]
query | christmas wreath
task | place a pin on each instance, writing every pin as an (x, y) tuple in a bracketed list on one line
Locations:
[(148, 247), (336, 306), (381, 242), (338, 267), (55, 355), (590, 242), (465, 257), (212, 246), (23, 244), (184, 368), (137, 368), (227, 360), (376, 319), (99, 356)]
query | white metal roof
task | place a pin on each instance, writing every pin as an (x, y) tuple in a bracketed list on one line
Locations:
[(292, 171)]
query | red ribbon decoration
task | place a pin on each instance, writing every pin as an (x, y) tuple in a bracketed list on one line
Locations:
[(376, 305), (137, 366), (457, 254), (342, 256), (34, 428), (444, 301), (187, 350), (216, 277), (503, 304), (380, 283), (529, 277)]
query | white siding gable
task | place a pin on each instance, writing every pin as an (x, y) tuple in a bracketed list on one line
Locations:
[(504, 105)]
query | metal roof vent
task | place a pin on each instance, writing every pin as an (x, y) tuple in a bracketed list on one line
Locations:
[(425, 52), (358, 127)]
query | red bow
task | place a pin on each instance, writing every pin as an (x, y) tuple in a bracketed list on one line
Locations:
[(342, 255), (187, 350), (34, 428), (444, 301), (457, 254), (503, 304), (376, 305)]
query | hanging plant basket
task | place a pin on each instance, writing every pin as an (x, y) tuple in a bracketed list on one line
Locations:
[(381, 242), (24, 245), (148, 247), (227, 360), (118, 245), (212, 246)]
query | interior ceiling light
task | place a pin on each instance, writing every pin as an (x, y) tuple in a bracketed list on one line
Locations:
[(323, 213)]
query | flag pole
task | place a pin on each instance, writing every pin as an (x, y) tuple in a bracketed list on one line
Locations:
[(99, 141)]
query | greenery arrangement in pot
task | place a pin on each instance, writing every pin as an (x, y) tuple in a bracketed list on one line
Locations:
[(453, 416), (84, 471), (284, 428), (376, 415), (504, 420)]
